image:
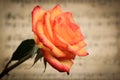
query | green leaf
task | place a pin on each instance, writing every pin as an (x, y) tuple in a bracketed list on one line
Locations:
[(23, 49), (45, 64), (38, 56), (40, 53)]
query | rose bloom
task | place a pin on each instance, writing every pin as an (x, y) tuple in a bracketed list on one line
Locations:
[(58, 36)]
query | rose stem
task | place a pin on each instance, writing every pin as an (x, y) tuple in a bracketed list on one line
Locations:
[(6, 70)]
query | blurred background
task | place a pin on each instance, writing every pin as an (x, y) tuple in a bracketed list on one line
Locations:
[(99, 21)]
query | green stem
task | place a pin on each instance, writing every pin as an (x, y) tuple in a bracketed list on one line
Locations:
[(6, 70)]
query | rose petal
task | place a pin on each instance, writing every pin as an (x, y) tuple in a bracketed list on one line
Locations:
[(67, 30), (82, 52), (60, 65), (37, 14), (47, 27), (54, 12), (77, 47), (59, 43), (70, 20)]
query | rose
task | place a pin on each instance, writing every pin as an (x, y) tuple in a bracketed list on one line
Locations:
[(58, 36)]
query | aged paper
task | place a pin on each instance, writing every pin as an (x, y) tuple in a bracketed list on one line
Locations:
[(99, 21)]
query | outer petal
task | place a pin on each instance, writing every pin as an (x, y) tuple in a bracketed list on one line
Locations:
[(61, 65), (82, 52), (77, 47), (37, 14)]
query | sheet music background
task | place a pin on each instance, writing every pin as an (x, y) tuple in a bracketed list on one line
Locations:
[(99, 21)]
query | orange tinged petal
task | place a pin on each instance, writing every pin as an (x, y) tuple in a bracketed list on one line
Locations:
[(47, 27), (37, 14), (59, 43), (76, 47), (68, 55), (61, 65), (56, 11), (82, 52), (69, 19)]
